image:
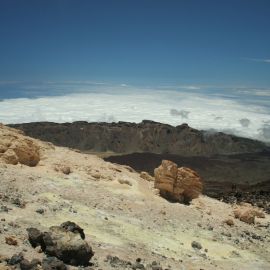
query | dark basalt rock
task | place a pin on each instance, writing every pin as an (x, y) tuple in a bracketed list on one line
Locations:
[(35, 237), (33, 265), (66, 242), (52, 263), (73, 227), (196, 245), (260, 199), (15, 259)]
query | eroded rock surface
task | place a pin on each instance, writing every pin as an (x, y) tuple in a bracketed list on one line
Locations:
[(247, 213), (177, 184), (15, 148), (147, 136), (65, 242)]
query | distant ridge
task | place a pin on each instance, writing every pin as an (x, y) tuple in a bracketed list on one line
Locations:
[(147, 136)]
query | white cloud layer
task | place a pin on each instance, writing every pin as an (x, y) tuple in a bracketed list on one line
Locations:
[(201, 111)]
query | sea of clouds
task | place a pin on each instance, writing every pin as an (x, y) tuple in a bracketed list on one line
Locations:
[(245, 113)]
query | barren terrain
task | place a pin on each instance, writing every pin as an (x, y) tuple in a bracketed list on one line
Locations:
[(122, 215)]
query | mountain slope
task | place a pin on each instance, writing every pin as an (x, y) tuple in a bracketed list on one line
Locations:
[(120, 213), (147, 136)]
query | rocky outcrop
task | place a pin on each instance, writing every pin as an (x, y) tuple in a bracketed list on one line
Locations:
[(177, 184), (65, 242), (15, 148), (147, 136)]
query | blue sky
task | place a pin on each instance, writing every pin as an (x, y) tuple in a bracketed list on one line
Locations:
[(142, 42), (203, 62)]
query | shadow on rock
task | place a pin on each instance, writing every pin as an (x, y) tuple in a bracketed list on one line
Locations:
[(65, 242)]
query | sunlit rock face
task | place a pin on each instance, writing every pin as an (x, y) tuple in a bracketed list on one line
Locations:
[(147, 136), (177, 184), (15, 148)]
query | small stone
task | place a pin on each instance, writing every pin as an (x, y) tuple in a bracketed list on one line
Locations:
[(65, 170), (52, 263), (146, 176), (40, 211), (196, 245), (156, 266), (15, 259), (38, 249), (137, 265), (10, 240), (229, 222)]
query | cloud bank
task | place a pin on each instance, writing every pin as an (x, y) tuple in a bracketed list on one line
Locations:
[(199, 110)]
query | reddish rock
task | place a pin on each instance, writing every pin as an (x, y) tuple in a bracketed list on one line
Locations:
[(247, 213), (10, 240), (15, 148), (229, 222), (177, 184)]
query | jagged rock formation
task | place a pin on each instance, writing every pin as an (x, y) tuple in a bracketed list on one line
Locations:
[(177, 184), (16, 149), (147, 136)]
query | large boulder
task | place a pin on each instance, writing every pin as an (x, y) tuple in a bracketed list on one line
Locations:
[(16, 148), (65, 242), (177, 184)]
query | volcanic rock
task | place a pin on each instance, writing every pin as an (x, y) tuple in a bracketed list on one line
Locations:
[(147, 136), (52, 263), (63, 168), (35, 237), (15, 259), (196, 245), (229, 222), (70, 226), (146, 176), (66, 242), (11, 240), (247, 213), (15, 148), (177, 184), (31, 265)]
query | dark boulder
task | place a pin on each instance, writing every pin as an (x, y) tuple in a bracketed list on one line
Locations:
[(52, 263), (27, 265), (15, 259), (35, 237), (73, 227), (65, 242)]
